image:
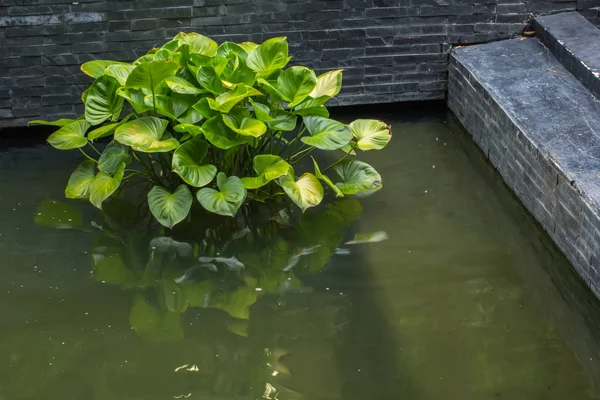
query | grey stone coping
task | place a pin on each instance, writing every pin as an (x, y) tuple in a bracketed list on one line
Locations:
[(575, 42), (553, 109)]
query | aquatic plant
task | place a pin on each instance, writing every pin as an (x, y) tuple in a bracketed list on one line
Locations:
[(226, 121)]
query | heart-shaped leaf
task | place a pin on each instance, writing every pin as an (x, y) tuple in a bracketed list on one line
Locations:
[(149, 75), (135, 97), (210, 79), (145, 134), (95, 68), (199, 44), (102, 101), (248, 127), (80, 180), (319, 111), (104, 185), (119, 71), (269, 57), (225, 101), (70, 136), (370, 134), (295, 84), (220, 135), (180, 85), (113, 155), (328, 84), (268, 167), (326, 134), (357, 177), (230, 49), (227, 200), (192, 129), (248, 46), (58, 215), (204, 109), (305, 192), (168, 106), (325, 178), (284, 121), (170, 209), (262, 111), (187, 163)]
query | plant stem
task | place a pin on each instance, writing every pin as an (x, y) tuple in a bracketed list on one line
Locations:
[(341, 159), (96, 150), (306, 153), (300, 152), (86, 156)]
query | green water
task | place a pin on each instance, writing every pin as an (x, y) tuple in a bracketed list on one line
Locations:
[(466, 299)]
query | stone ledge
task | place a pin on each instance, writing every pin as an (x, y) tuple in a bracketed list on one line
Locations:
[(575, 42), (540, 128)]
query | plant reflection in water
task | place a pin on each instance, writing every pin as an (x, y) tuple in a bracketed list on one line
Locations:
[(197, 284)]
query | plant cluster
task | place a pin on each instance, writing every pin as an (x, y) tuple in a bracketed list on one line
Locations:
[(226, 121)]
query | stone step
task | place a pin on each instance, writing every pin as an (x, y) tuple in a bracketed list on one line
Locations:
[(575, 42), (540, 127)]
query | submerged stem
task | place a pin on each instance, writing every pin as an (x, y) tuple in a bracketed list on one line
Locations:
[(87, 156)]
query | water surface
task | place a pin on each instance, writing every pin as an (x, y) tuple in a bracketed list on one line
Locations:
[(466, 299)]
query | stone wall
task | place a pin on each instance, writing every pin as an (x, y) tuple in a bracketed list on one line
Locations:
[(391, 50)]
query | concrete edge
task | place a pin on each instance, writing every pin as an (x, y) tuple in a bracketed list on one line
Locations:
[(571, 60), (562, 209)]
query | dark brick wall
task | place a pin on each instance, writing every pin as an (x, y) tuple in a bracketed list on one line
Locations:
[(391, 50)]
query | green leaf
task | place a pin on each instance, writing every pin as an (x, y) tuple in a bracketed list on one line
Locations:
[(227, 200), (204, 109), (225, 101), (119, 71), (70, 136), (295, 84), (248, 46), (168, 106), (96, 68), (102, 101), (310, 102), (357, 177), (191, 116), (324, 178), (269, 57), (106, 130), (319, 111), (349, 148), (58, 215), (261, 111), (180, 85), (135, 98), (230, 49), (113, 155), (58, 122), (145, 134), (192, 129), (268, 167), (305, 192), (220, 135), (370, 134), (198, 44), (326, 134), (104, 185), (170, 209), (248, 127), (187, 161), (80, 180), (328, 84), (284, 121), (150, 75), (209, 79)]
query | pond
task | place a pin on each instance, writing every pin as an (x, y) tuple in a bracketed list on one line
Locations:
[(439, 286)]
